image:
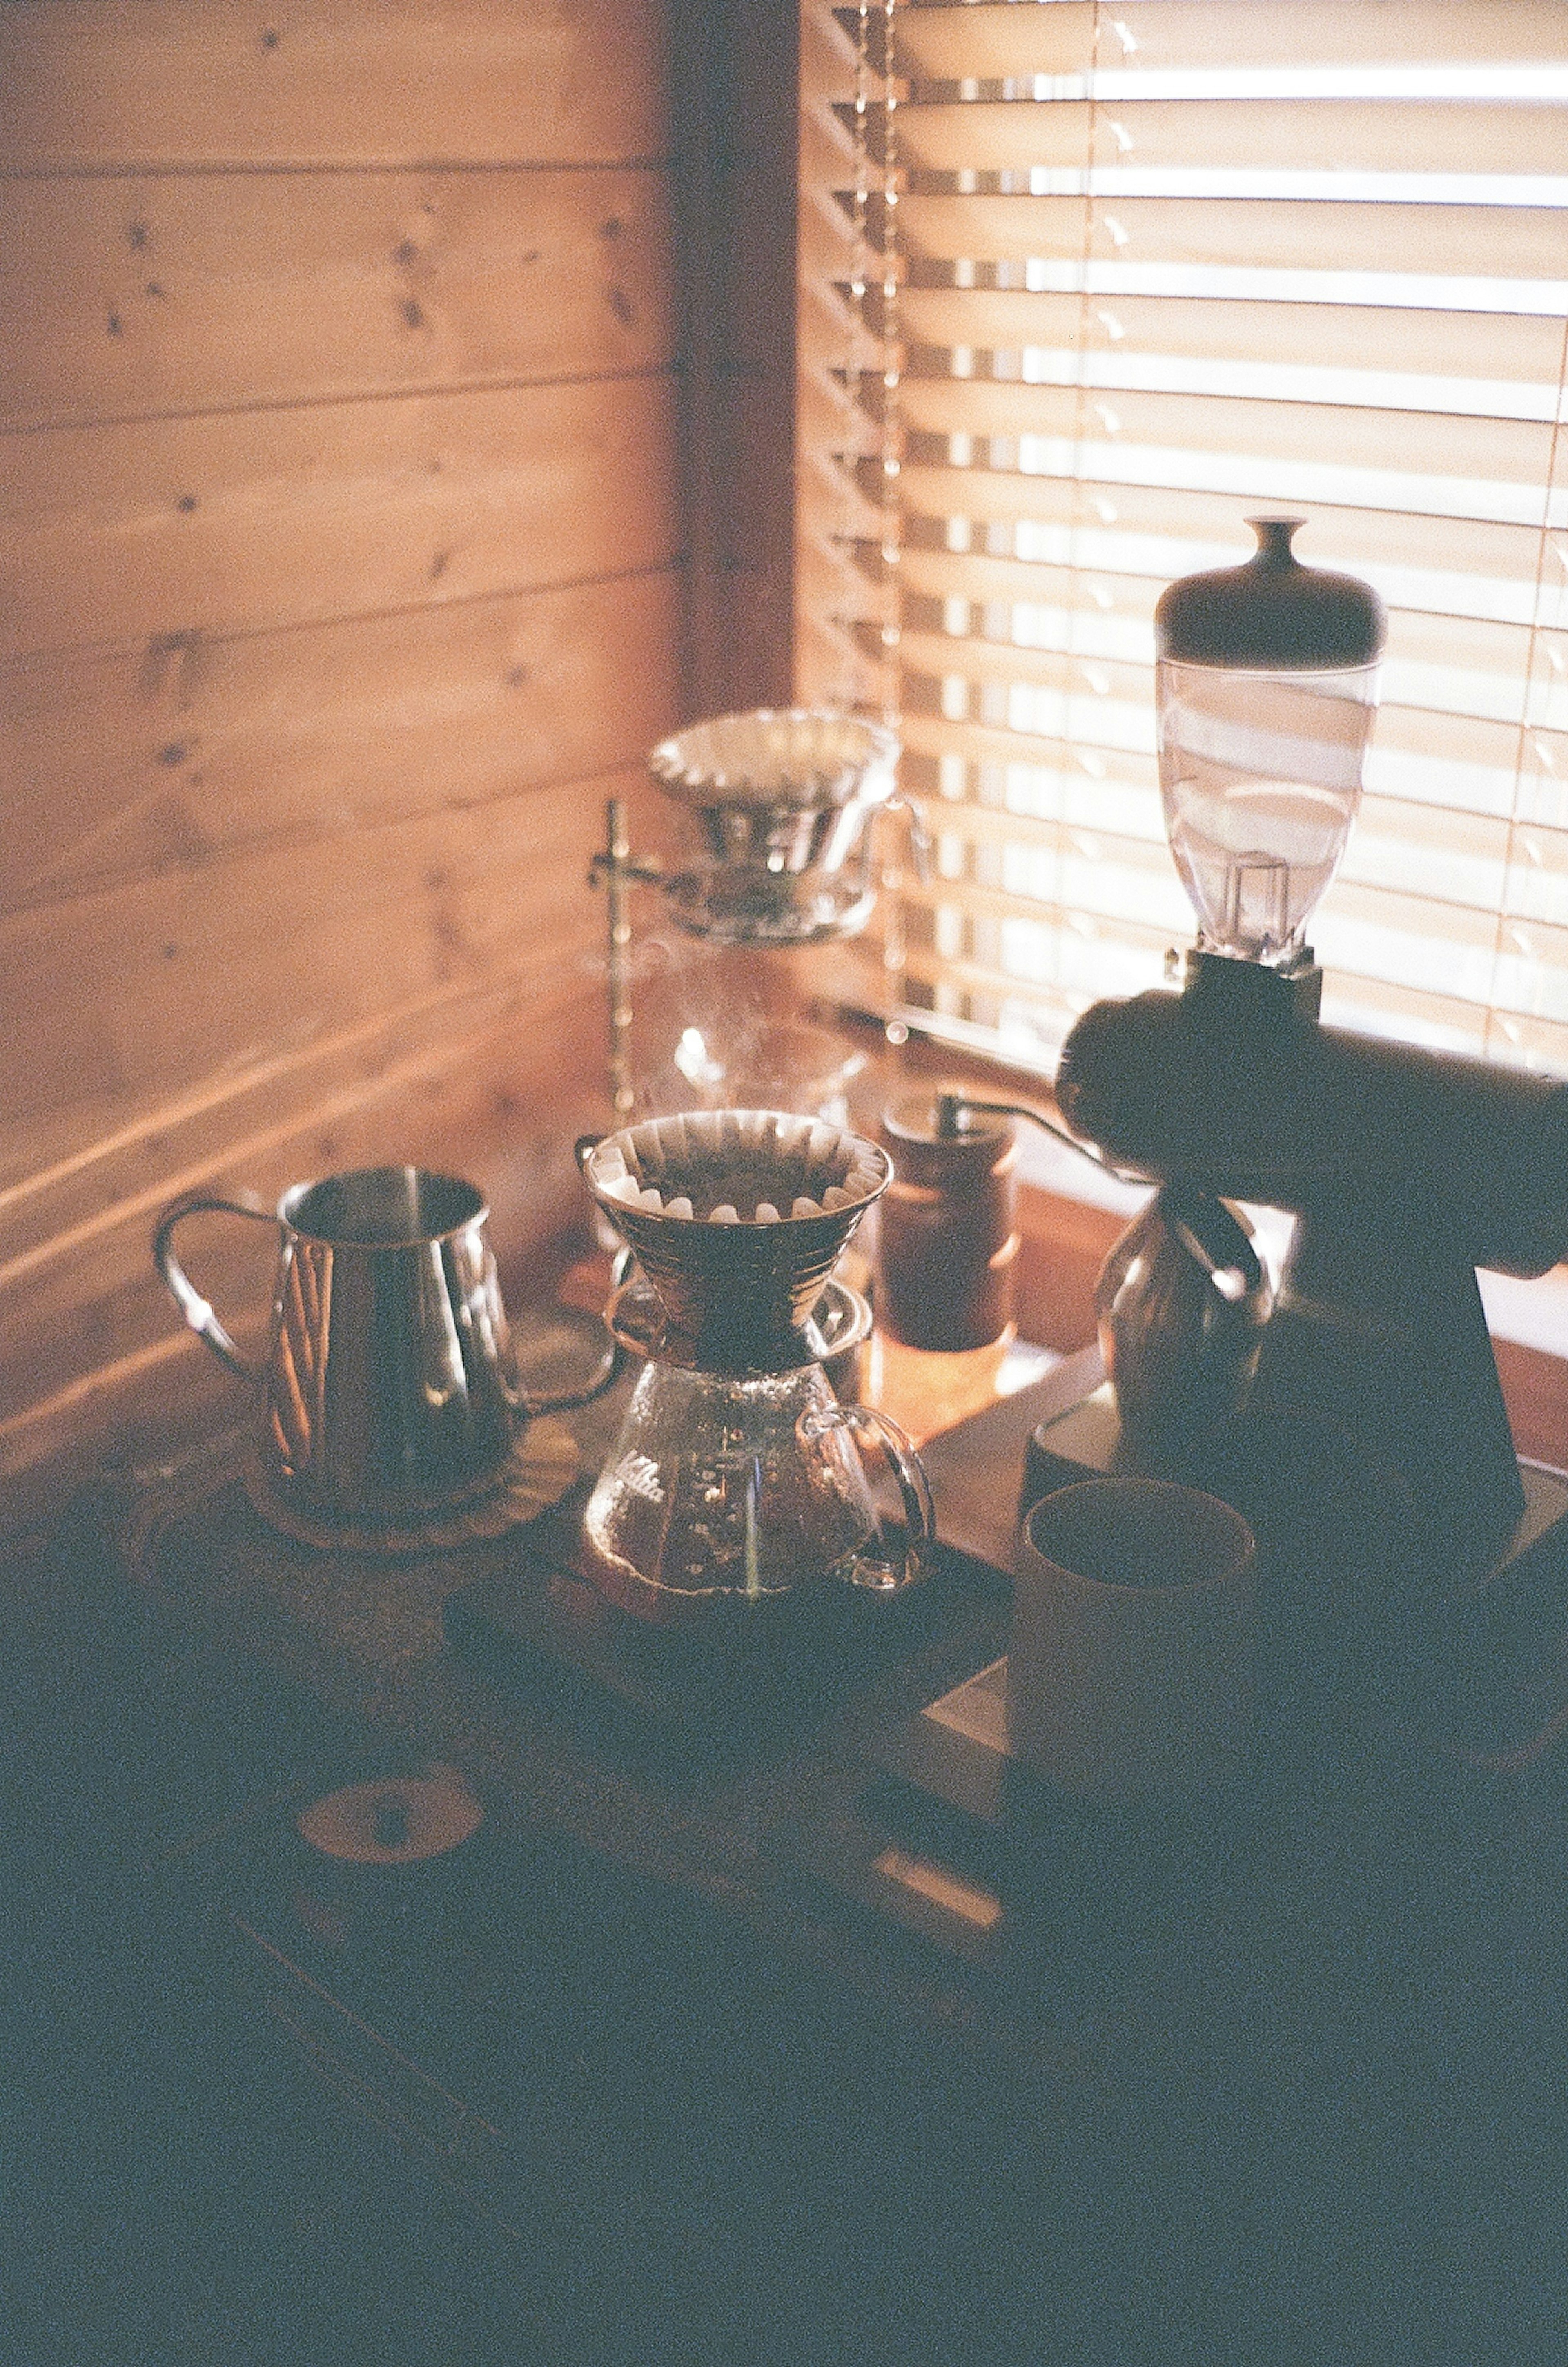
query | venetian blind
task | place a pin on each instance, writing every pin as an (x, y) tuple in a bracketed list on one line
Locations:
[(1154, 266)]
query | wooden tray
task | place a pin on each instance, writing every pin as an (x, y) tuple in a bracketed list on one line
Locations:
[(723, 1689)]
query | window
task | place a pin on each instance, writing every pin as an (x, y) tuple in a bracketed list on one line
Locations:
[(1129, 274)]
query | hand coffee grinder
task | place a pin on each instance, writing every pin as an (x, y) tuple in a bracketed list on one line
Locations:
[(1404, 1169)]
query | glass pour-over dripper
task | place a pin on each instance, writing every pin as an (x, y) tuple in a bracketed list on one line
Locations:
[(783, 800)]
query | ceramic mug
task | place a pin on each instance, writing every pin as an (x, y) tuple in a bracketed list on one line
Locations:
[(1130, 1669)]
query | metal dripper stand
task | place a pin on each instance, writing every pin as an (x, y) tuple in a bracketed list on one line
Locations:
[(738, 1481), (1404, 1169), (780, 806)]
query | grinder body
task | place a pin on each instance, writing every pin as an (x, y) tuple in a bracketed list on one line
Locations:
[(1405, 1169)]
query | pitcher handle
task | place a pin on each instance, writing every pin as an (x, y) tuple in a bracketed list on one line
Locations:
[(196, 1310), (530, 1408), (898, 1449)]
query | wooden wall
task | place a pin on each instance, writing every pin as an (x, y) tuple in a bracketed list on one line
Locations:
[(339, 533)]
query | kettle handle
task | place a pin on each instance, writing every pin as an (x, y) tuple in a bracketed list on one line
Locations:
[(196, 1310), (898, 1450)]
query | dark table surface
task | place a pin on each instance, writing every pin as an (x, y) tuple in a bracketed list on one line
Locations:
[(1281, 2080)]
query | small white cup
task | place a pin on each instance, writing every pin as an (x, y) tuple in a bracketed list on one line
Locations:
[(1130, 1670)]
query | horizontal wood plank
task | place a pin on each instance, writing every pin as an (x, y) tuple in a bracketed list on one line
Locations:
[(69, 1167), (145, 774), (132, 298), (222, 524), (106, 83), (145, 992)]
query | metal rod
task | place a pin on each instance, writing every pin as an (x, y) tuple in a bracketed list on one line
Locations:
[(616, 869), (618, 849)]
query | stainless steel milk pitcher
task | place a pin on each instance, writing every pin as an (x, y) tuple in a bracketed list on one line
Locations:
[(389, 1392)]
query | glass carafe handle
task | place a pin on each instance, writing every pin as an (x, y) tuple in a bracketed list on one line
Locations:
[(898, 1450)]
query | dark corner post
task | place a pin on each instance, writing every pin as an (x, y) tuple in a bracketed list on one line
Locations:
[(734, 104)]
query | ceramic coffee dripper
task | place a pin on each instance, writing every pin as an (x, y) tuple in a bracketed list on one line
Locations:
[(738, 1478), (389, 1393)]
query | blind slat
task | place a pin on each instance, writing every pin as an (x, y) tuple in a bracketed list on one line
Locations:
[(1195, 528), (1410, 342), (1507, 242), (1458, 762), (1030, 421), (1457, 858), (1264, 135), (991, 590), (982, 41)]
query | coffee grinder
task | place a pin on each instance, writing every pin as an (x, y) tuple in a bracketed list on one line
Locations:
[(1404, 1169)]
